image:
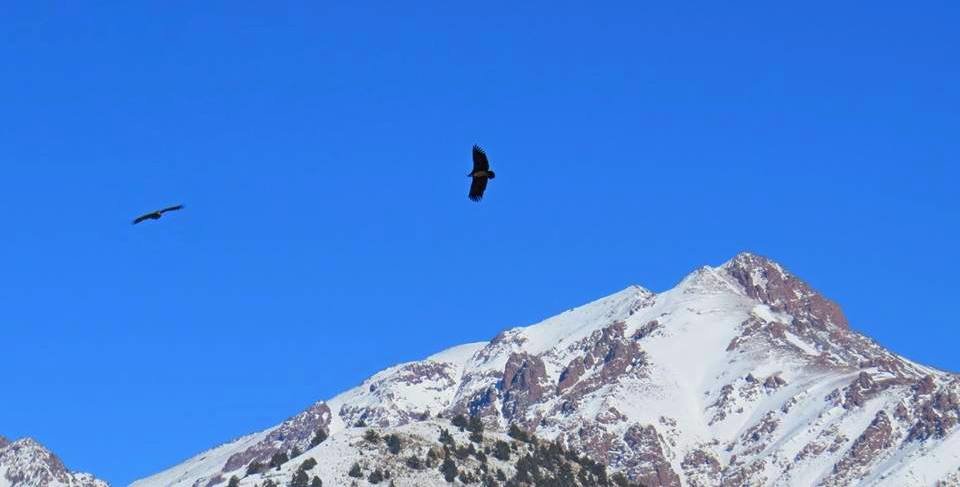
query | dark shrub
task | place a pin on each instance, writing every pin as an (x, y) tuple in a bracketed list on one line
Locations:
[(460, 421), (449, 469), (300, 479), (475, 425), (518, 434), (319, 437), (467, 477), (620, 480), (375, 477), (446, 438), (278, 459), (415, 463), (393, 443), (255, 468), (501, 450)]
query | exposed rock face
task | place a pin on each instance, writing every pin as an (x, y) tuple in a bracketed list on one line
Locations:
[(524, 379), (741, 375), (938, 415), (770, 284), (647, 462), (296, 432), (607, 355), (27, 463), (702, 468), (877, 438), (859, 391)]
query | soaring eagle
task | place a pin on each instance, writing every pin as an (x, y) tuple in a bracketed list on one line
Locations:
[(480, 174), (156, 214)]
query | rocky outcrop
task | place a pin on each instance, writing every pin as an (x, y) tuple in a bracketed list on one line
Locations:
[(740, 473), (871, 444), (603, 359), (523, 384), (296, 432), (770, 284), (702, 468), (741, 375), (858, 392), (381, 408), (647, 463), (27, 463)]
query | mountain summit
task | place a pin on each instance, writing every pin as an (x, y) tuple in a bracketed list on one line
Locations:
[(742, 374), (26, 463)]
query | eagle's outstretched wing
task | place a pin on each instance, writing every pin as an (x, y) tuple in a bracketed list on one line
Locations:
[(477, 187), (142, 218), (155, 215), (480, 162)]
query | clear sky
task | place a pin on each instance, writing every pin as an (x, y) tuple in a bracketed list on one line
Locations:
[(321, 149)]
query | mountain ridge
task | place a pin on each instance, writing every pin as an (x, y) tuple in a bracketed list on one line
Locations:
[(742, 373), (27, 463)]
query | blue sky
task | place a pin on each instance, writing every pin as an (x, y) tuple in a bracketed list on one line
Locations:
[(321, 150)]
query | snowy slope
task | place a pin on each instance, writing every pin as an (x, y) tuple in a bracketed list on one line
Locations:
[(26, 463), (740, 375)]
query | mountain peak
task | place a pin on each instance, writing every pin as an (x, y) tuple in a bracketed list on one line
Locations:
[(27, 462), (741, 374), (751, 260), (28, 442), (770, 283)]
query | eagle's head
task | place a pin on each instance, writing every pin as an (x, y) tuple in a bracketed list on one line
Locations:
[(491, 174)]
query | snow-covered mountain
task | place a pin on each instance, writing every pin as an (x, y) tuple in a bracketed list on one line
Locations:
[(740, 375), (26, 463)]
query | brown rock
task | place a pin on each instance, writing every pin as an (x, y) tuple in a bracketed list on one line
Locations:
[(867, 447), (522, 384), (756, 433), (571, 374), (646, 330), (767, 282), (701, 468), (617, 356), (610, 416), (294, 432), (859, 391), (774, 382), (649, 466), (743, 475), (925, 386)]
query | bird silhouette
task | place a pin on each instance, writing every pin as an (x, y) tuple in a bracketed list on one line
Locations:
[(156, 214), (481, 174)]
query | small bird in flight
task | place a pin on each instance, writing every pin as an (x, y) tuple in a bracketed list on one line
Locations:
[(156, 214), (481, 174)]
